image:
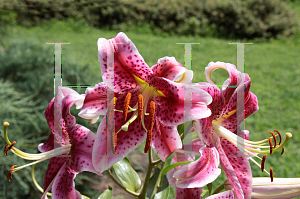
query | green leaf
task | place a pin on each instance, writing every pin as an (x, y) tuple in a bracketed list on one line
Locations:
[(162, 191), (172, 166), (107, 194), (209, 186), (185, 127), (204, 191), (127, 175), (189, 137)]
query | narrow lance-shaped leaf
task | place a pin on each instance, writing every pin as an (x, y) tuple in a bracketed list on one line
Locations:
[(162, 191)]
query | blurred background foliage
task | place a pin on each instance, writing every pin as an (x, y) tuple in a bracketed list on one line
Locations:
[(26, 64), (221, 18)]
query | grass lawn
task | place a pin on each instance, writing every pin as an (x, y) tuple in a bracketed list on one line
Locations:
[(274, 68)]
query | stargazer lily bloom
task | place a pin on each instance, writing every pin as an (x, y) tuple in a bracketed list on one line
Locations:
[(73, 154), (148, 103), (220, 131)]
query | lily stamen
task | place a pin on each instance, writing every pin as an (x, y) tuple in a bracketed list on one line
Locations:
[(150, 126), (9, 175), (126, 105), (278, 135), (140, 108), (263, 162), (114, 141), (274, 138), (282, 151), (110, 110), (8, 147), (37, 157), (271, 174), (271, 145)]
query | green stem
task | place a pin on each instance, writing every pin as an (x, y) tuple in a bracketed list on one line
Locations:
[(219, 189), (147, 177), (120, 185), (158, 182)]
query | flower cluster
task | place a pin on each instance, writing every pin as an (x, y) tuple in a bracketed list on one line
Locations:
[(143, 105)]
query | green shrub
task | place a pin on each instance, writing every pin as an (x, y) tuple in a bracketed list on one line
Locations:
[(223, 18), (26, 87)]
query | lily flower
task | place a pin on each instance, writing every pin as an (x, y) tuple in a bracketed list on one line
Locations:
[(220, 131), (74, 153), (280, 188), (148, 103)]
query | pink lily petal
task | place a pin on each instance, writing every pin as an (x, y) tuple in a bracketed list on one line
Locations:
[(188, 193), (171, 108), (201, 172), (165, 140), (234, 76), (169, 68), (237, 169), (226, 194), (63, 185), (193, 146), (47, 145), (204, 129), (127, 141), (218, 100), (54, 166), (94, 102), (280, 188), (127, 59), (69, 101), (82, 140)]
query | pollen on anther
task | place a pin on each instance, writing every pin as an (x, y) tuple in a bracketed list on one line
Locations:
[(126, 105), (271, 145), (274, 138), (110, 110), (140, 108), (271, 174), (282, 151), (263, 162), (114, 141), (278, 135), (150, 126), (9, 175), (8, 147)]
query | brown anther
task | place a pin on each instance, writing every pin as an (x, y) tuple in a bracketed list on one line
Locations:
[(263, 162), (274, 138), (140, 108), (9, 175), (150, 126), (126, 105), (114, 140), (271, 145), (8, 147), (282, 151), (279, 136), (110, 110), (271, 174)]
